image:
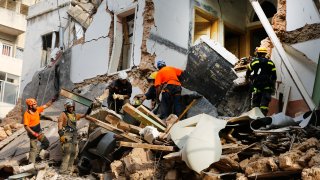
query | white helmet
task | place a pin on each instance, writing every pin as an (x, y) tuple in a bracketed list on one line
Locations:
[(122, 75), (69, 102)]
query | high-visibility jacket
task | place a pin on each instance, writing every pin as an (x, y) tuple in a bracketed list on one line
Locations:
[(168, 75), (262, 73)]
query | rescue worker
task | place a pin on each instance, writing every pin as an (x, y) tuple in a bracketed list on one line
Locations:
[(67, 130), (261, 73), (31, 121), (119, 92), (151, 94), (168, 84)]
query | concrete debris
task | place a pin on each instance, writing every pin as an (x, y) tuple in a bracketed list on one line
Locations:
[(3, 134), (305, 145), (261, 165), (311, 173), (138, 164), (279, 19), (289, 160), (80, 15)]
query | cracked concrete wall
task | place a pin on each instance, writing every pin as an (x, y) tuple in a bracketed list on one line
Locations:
[(297, 25), (91, 58), (300, 13), (36, 27)]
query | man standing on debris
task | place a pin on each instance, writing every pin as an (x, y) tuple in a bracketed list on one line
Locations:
[(168, 84), (262, 74), (31, 121), (151, 93), (67, 129), (119, 92)]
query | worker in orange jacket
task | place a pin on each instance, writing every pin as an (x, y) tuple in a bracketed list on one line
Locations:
[(168, 84), (31, 121)]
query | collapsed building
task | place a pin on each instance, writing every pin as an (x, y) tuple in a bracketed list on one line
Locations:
[(81, 45)]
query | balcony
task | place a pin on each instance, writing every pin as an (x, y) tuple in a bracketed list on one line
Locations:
[(12, 22), (10, 65)]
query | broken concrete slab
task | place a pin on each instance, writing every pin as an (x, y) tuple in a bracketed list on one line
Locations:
[(214, 71), (79, 15)]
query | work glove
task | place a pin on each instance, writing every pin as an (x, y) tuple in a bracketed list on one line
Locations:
[(115, 96), (63, 139), (120, 97)]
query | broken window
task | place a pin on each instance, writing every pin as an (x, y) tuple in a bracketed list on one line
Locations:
[(256, 36), (268, 8), (123, 41), (49, 42), (204, 24), (9, 86)]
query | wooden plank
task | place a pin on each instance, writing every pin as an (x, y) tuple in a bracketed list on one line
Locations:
[(286, 98), (150, 114), (116, 122), (76, 97), (146, 146), (187, 109), (113, 129), (11, 138), (273, 174), (144, 119)]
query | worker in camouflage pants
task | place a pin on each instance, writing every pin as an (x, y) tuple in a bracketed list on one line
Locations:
[(67, 129)]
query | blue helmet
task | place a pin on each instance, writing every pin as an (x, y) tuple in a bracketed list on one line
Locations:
[(161, 64)]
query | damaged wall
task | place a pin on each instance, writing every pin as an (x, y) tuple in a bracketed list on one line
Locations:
[(43, 18), (300, 39), (91, 58), (300, 13)]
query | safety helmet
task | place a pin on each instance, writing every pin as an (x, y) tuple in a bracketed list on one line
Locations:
[(153, 75), (122, 75), (161, 64), (261, 50), (31, 101), (69, 102)]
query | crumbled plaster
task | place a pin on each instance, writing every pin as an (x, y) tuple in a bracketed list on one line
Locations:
[(136, 76), (308, 32), (279, 19), (15, 115), (147, 59)]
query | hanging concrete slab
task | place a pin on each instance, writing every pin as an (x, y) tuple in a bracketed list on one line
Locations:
[(207, 69)]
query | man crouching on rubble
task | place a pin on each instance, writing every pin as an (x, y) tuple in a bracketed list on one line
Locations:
[(67, 129), (31, 121)]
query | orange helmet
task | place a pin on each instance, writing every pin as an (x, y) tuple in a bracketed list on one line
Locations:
[(31, 101)]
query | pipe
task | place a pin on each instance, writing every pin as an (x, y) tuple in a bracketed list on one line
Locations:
[(61, 38), (277, 44)]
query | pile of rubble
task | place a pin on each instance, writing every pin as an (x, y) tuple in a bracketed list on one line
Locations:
[(8, 129)]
